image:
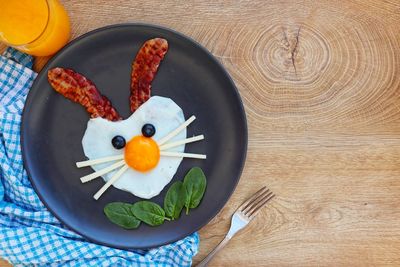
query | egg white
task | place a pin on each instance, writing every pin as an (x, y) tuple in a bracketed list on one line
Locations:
[(166, 116)]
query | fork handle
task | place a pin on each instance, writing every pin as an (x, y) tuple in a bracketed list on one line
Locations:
[(209, 257)]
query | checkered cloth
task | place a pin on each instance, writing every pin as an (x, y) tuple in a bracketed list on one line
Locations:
[(29, 233)]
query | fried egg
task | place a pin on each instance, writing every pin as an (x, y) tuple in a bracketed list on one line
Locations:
[(146, 173)]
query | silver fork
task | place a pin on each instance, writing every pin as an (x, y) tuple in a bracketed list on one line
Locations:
[(242, 216)]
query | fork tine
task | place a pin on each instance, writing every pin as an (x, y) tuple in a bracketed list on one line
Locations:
[(257, 208), (257, 201), (256, 195)]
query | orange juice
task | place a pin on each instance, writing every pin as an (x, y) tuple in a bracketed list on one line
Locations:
[(37, 27)]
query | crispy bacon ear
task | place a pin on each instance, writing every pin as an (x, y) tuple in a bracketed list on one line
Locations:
[(144, 69), (78, 88)]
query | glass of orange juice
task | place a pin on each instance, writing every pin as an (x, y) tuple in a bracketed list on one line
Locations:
[(37, 27)]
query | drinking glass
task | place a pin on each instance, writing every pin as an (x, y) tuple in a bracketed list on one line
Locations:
[(36, 27)]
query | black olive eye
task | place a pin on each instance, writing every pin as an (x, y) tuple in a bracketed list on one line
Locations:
[(118, 142), (148, 130)]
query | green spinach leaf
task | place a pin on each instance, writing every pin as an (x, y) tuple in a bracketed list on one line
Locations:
[(195, 186), (149, 212), (120, 214), (175, 200)]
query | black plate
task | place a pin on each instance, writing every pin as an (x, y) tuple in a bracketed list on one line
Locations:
[(53, 127)]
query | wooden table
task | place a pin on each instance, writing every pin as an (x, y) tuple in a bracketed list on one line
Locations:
[(320, 81)]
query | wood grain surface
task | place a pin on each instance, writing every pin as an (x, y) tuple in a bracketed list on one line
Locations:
[(320, 81)]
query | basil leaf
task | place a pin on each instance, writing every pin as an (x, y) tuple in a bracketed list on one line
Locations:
[(175, 200), (120, 214), (195, 186), (149, 212)]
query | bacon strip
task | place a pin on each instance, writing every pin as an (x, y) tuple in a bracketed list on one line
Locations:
[(78, 88), (144, 69)]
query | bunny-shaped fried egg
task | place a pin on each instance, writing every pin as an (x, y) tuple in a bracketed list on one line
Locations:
[(161, 112), (142, 153)]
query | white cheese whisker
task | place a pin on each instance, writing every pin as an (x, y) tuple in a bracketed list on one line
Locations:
[(176, 131), (92, 162), (99, 173), (181, 142), (183, 155), (110, 182)]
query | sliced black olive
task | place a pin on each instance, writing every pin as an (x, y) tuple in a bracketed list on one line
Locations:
[(148, 130), (118, 142)]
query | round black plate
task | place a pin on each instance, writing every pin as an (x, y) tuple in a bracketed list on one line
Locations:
[(53, 127)]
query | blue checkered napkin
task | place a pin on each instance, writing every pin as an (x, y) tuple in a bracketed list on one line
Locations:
[(29, 233)]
